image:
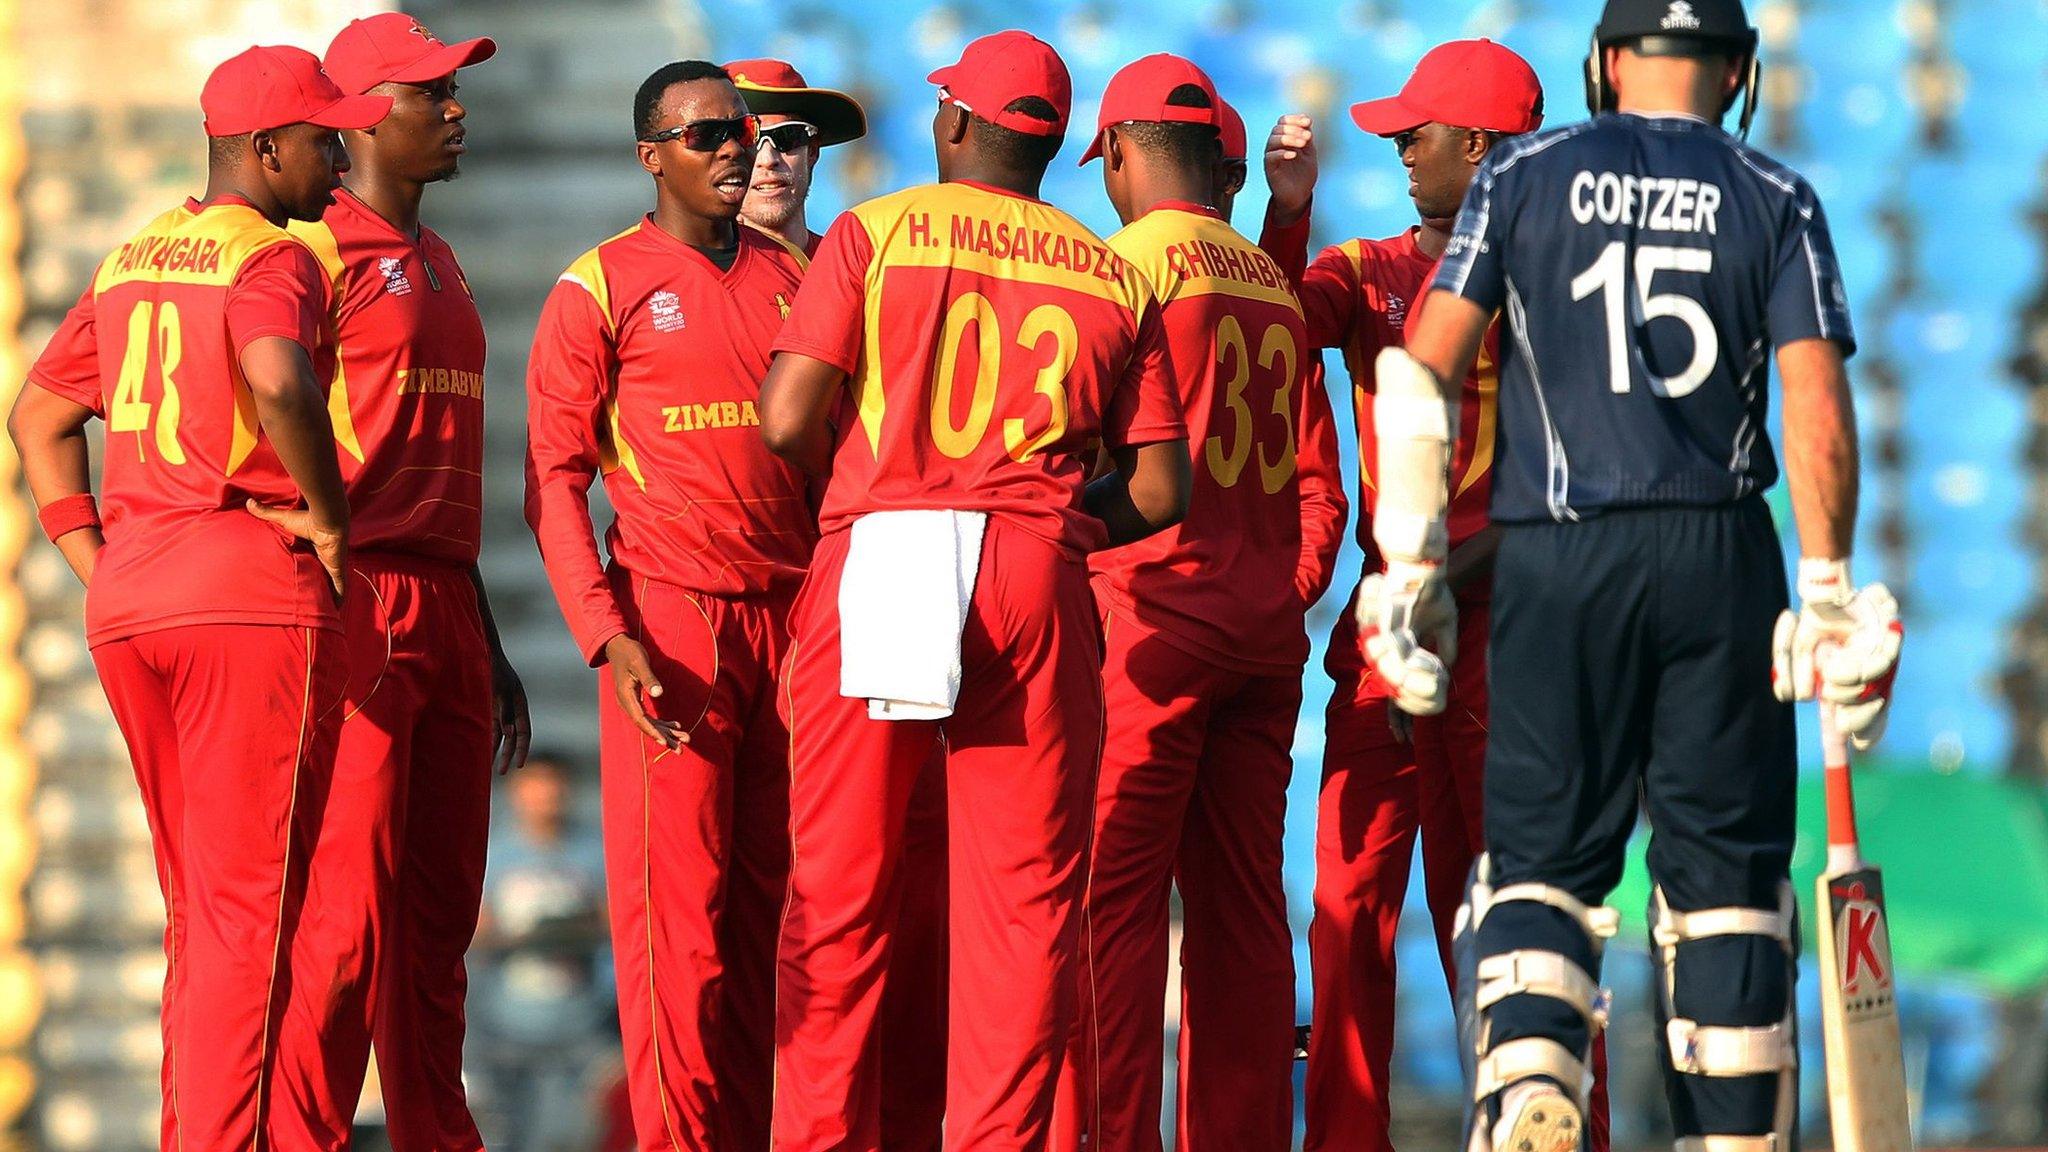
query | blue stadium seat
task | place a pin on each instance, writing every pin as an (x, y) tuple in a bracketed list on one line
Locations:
[(1946, 701)]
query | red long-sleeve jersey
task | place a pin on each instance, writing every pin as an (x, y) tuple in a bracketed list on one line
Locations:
[(646, 369)]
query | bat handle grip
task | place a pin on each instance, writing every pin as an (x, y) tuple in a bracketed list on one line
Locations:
[(1844, 852)]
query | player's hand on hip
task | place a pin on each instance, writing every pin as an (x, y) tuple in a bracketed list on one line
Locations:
[(1841, 646), (633, 675), (1399, 611), (329, 541), (1291, 166)]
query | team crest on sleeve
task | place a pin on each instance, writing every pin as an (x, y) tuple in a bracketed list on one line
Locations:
[(666, 311), (393, 270)]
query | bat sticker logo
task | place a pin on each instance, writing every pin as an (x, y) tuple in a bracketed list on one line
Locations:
[(1865, 945)]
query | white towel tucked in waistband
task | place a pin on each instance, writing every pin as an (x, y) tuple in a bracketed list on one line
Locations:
[(903, 599)]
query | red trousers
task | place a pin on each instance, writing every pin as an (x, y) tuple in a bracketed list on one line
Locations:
[(1020, 754), (696, 860), (914, 988), (1378, 793), (398, 872), (231, 730), (1193, 789)]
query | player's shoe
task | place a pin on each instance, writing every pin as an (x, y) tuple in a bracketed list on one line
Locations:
[(1537, 1116)]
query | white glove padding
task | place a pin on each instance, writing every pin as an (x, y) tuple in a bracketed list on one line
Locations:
[(1398, 612), (1841, 646)]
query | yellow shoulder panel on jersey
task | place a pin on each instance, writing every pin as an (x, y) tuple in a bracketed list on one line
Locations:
[(1003, 237), (1143, 243), (183, 247), (1354, 251), (316, 235), (1188, 254), (802, 261), (587, 273)]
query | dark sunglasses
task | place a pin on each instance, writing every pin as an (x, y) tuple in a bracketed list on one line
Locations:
[(710, 135), (790, 135), (1406, 140)]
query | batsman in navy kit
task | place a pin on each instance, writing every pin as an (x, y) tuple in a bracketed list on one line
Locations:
[(1650, 267)]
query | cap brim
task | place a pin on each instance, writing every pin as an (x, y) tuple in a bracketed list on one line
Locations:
[(352, 112), (1388, 117), (837, 116), (444, 61)]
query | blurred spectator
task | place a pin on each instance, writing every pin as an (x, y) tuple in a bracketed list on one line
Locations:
[(2023, 678), (1786, 80), (542, 1002), (1935, 83)]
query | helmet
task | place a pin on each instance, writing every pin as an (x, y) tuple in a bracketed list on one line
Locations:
[(1674, 28)]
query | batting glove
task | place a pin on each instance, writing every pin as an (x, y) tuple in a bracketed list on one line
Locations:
[(1841, 646), (1398, 611)]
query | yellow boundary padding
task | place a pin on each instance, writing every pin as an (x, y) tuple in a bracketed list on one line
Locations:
[(20, 982)]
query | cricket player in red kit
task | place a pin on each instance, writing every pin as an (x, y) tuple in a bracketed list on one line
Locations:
[(645, 369), (1202, 677), (989, 341), (1388, 777), (211, 591), (399, 867), (797, 122)]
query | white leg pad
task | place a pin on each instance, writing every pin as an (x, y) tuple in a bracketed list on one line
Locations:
[(1535, 972), (1716, 1050), (1674, 927), (1515, 1060), (1599, 921), (1729, 1144), (1709, 1050)]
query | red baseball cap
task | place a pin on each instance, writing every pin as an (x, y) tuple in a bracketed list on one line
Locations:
[(1007, 66), (1138, 92), (775, 88), (392, 47), (270, 87), (1466, 83), (1234, 142)]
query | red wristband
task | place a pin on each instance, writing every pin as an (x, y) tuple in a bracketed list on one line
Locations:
[(68, 514)]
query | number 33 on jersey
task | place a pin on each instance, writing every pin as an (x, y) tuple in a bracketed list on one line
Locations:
[(1222, 583)]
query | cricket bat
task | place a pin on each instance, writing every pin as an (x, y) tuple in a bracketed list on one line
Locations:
[(1867, 1103)]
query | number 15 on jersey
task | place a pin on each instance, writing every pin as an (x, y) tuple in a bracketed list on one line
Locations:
[(1606, 277)]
